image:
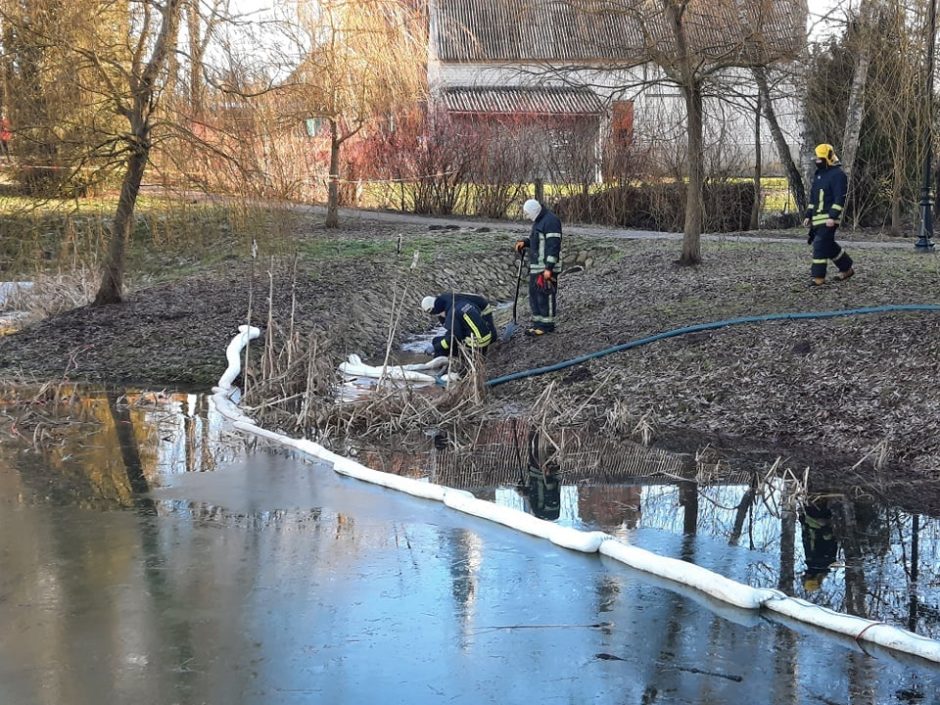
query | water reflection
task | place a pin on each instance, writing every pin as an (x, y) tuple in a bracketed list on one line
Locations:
[(275, 581), (104, 448), (542, 487), (850, 555), (820, 545)]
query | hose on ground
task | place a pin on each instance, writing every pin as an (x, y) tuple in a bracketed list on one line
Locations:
[(699, 327)]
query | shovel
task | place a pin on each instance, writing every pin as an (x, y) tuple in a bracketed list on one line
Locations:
[(512, 326)]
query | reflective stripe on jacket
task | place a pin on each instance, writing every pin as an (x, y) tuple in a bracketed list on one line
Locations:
[(465, 324), (544, 243), (827, 197)]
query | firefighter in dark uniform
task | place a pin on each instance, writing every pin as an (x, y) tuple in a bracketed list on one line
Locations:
[(467, 318), (820, 545), (544, 245), (826, 203)]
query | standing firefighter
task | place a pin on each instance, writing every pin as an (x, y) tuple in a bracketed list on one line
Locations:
[(544, 245), (826, 203), (468, 321)]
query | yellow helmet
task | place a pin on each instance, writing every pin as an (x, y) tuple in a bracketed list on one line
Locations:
[(826, 153)]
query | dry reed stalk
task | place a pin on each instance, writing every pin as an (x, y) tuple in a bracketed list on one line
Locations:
[(251, 291)]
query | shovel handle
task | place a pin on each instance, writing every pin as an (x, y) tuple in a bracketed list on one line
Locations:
[(515, 300)]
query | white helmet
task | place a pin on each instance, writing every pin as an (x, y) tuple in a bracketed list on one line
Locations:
[(532, 208), (427, 304)]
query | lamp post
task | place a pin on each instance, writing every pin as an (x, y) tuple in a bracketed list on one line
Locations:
[(925, 241)]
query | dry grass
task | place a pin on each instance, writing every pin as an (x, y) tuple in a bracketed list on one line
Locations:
[(40, 415), (293, 384), (54, 293)]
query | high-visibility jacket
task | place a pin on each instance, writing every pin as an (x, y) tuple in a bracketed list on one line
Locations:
[(442, 302), (544, 243), (465, 324), (827, 197)]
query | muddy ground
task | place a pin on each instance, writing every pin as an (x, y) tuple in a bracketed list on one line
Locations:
[(828, 393)]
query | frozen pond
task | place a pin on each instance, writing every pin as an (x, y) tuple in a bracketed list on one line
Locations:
[(161, 559)]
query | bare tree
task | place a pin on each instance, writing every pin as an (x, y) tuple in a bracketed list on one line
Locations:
[(702, 40), (691, 43), (794, 176), (856, 106), (136, 100), (361, 59)]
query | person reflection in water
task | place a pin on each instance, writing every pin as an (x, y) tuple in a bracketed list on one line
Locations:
[(541, 486), (819, 542)]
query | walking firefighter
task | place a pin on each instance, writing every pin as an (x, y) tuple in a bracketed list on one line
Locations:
[(826, 205)]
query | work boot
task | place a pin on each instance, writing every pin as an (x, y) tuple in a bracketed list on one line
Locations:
[(847, 274), (816, 281)]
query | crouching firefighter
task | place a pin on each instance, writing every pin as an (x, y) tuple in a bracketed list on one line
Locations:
[(544, 245), (467, 320), (826, 203)]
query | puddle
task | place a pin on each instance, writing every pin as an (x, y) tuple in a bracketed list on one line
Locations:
[(9, 288)]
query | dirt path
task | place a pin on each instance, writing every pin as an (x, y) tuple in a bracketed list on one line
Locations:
[(863, 239)]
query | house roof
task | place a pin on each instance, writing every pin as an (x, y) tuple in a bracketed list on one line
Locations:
[(613, 31), (527, 101)]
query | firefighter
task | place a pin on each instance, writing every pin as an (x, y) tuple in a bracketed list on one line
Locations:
[(467, 319), (544, 245), (826, 203)]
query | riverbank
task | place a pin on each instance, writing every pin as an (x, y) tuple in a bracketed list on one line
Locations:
[(819, 392)]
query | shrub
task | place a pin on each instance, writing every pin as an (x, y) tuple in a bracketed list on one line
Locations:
[(661, 206)]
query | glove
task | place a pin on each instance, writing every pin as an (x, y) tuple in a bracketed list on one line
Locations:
[(810, 236), (429, 349), (545, 280), (520, 245)]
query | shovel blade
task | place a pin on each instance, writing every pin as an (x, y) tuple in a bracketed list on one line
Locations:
[(508, 331)]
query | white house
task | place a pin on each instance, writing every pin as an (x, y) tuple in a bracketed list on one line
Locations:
[(588, 65)]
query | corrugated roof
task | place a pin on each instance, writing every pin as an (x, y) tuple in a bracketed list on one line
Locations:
[(528, 101), (614, 31)]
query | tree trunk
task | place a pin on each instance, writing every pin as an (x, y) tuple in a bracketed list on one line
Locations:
[(805, 161), (694, 206), (794, 177), (332, 200), (111, 290), (196, 62), (758, 166), (856, 107), (143, 99), (897, 190)]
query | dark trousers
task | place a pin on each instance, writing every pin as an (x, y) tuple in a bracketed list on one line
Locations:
[(542, 302), (826, 248)]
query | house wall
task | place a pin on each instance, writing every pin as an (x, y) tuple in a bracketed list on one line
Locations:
[(659, 110)]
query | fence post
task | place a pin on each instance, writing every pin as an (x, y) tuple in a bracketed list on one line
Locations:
[(539, 189)]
